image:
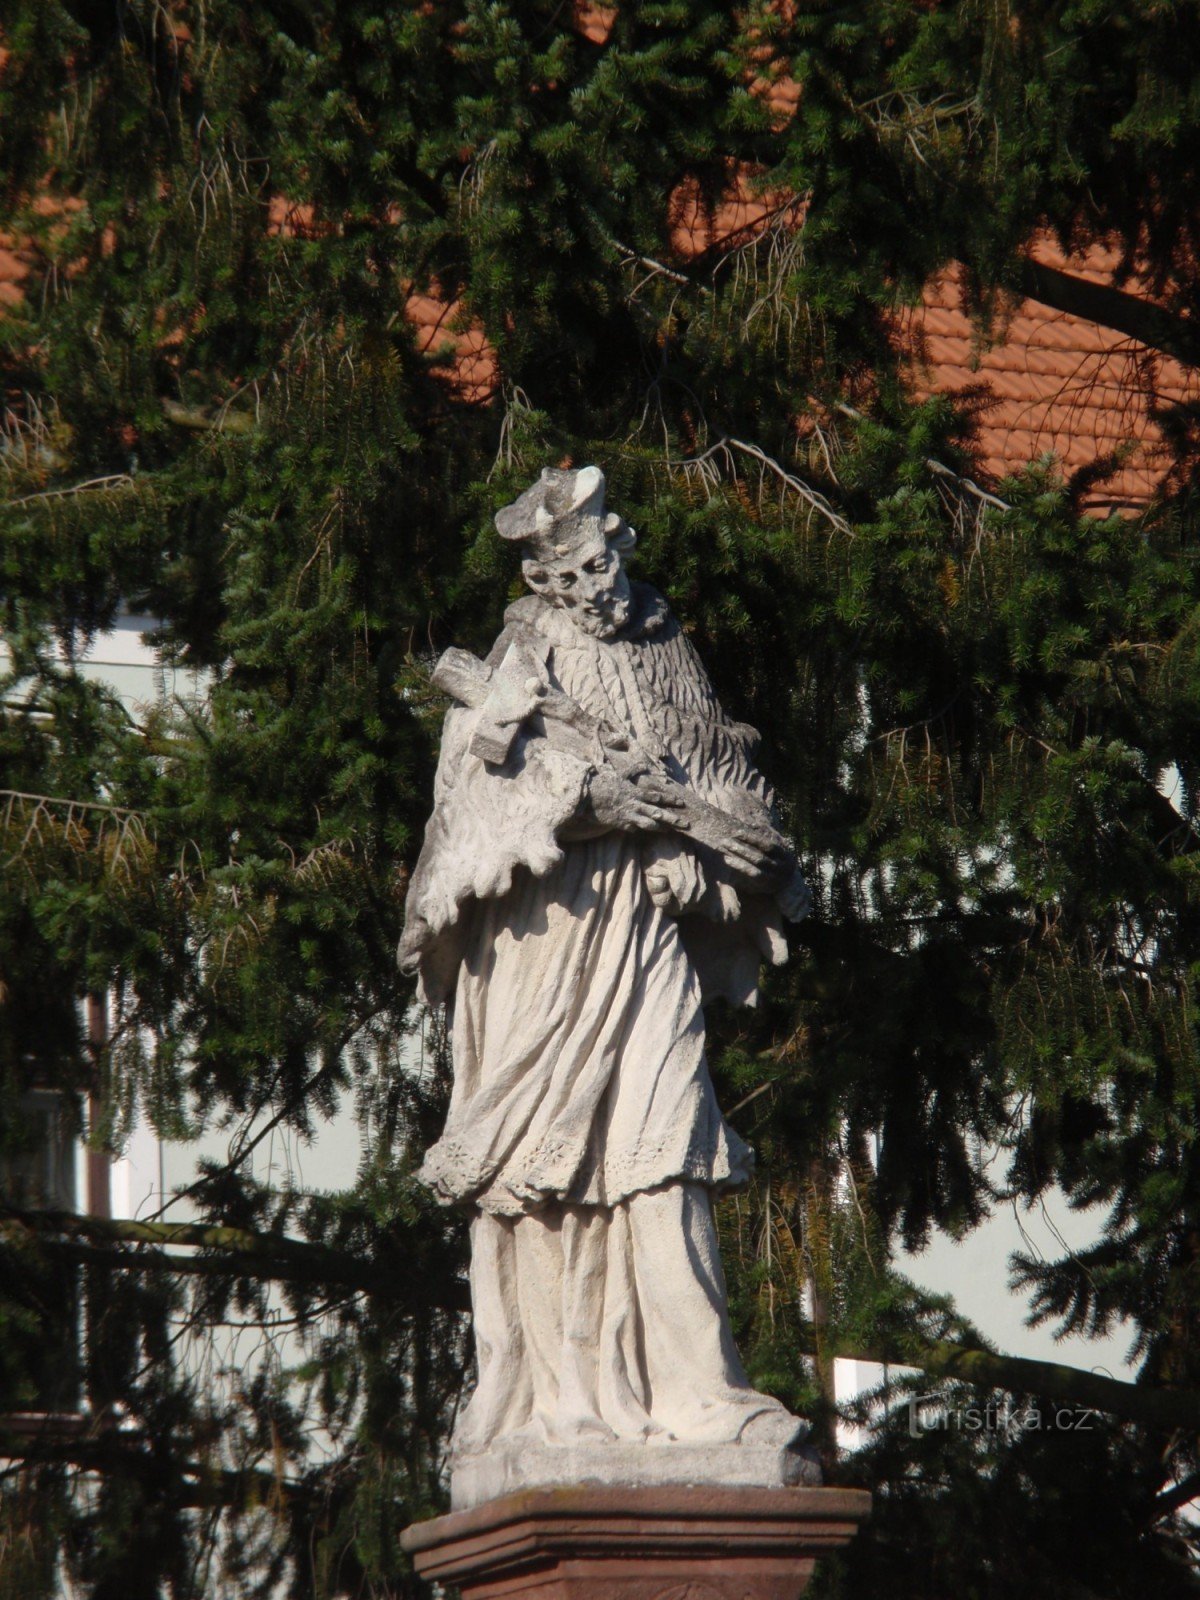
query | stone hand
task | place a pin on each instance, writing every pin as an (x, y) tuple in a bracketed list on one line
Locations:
[(512, 697), (766, 861), (778, 872), (642, 805), (675, 878), (795, 898)]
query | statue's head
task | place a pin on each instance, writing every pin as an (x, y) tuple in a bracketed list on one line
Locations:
[(573, 549)]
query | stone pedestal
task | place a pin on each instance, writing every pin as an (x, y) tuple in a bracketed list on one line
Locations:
[(512, 1466), (669, 1543)]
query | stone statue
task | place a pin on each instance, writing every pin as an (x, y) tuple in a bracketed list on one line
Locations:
[(602, 856)]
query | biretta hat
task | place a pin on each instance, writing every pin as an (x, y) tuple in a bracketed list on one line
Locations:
[(558, 513)]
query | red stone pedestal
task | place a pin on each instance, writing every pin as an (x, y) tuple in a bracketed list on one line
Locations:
[(593, 1543)]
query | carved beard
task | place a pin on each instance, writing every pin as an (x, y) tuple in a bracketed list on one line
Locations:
[(604, 624), (609, 611)]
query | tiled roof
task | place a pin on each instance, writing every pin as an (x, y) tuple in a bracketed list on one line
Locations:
[(1051, 383), (1045, 383), (1048, 382), (470, 365), (12, 270)]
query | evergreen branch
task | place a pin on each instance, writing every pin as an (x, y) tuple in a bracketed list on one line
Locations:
[(938, 468), (1161, 1409), (241, 1251), (1177, 830), (1179, 1495), (268, 1254), (115, 1449), (201, 420), (248, 1144), (115, 480), (1125, 313), (148, 1259), (129, 1245), (1141, 319), (705, 468)]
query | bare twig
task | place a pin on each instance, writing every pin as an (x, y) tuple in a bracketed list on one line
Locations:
[(901, 115), (938, 468), (201, 420), (966, 485), (116, 480), (119, 838), (517, 407), (654, 269), (706, 469), (74, 805)]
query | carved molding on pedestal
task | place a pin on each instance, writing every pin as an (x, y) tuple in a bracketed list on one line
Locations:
[(677, 1543)]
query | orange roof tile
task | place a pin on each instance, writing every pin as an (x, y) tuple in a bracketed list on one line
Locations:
[(470, 367), (1047, 382), (593, 21), (1051, 383), (12, 270)]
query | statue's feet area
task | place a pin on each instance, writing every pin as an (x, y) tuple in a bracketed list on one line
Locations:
[(512, 1464)]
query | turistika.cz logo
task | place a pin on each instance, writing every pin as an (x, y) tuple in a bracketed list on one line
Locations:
[(932, 1413)]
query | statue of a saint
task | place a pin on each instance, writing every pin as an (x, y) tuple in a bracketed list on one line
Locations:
[(602, 856)]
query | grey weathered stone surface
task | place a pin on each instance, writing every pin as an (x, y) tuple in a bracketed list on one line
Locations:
[(602, 857), (509, 1466)]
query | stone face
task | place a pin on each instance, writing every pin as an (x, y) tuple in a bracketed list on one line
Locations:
[(638, 1544), (603, 856)]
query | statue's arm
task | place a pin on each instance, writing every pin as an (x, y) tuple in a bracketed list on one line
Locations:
[(612, 803)]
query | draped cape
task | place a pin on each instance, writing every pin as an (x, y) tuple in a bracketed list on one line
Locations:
[(577, 1029)]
